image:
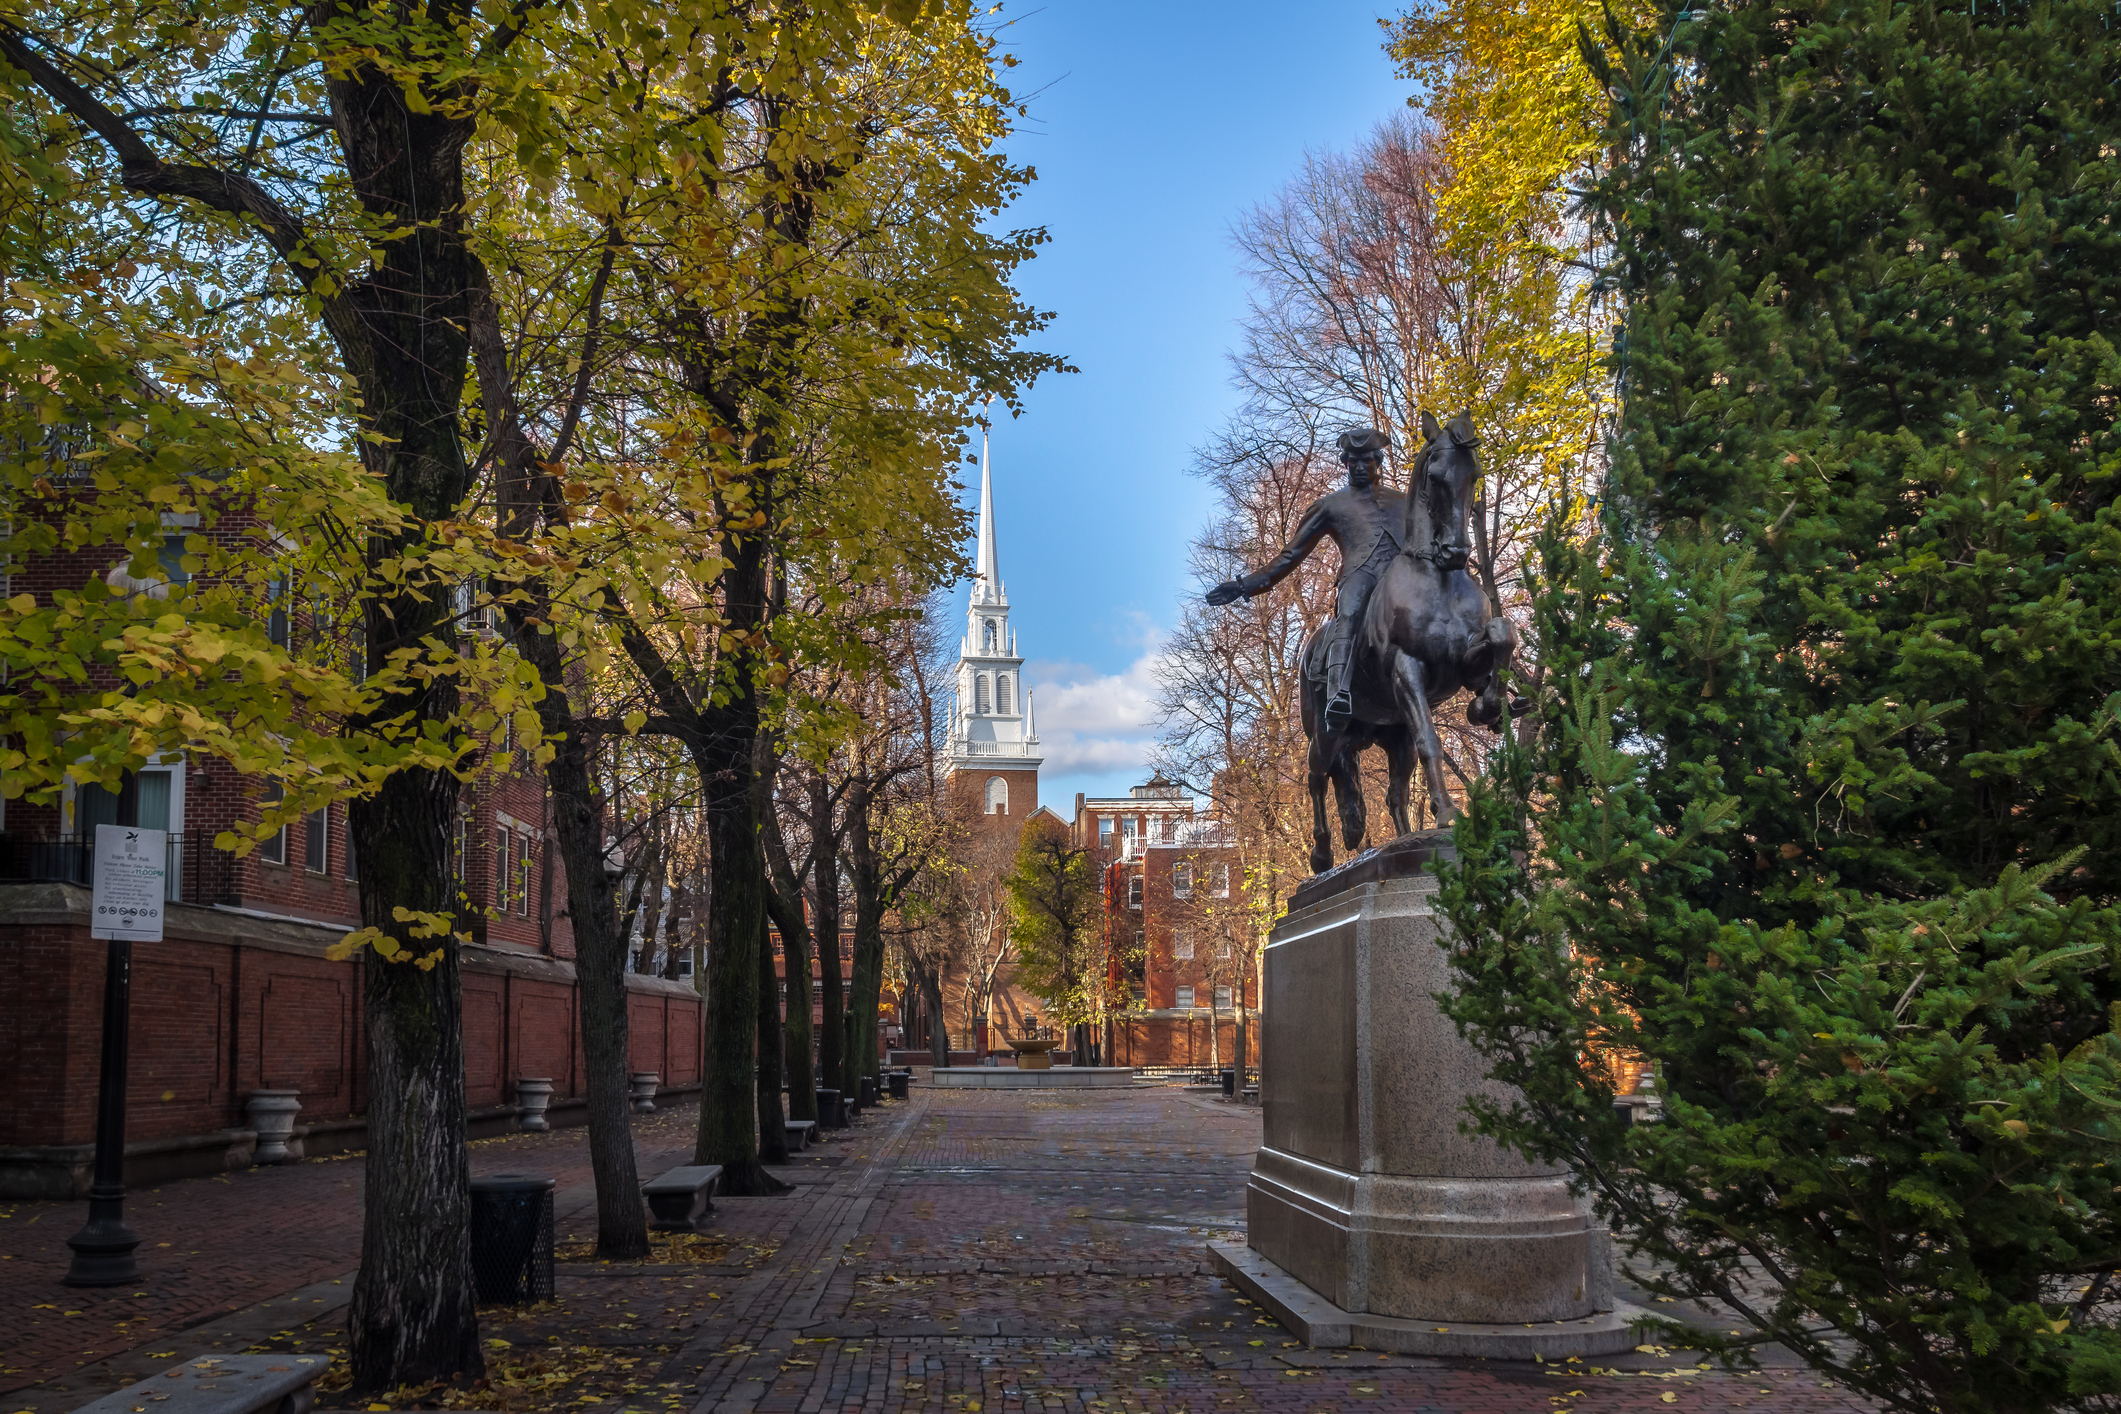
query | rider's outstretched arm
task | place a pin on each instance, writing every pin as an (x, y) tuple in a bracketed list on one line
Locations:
[(1309, 531)]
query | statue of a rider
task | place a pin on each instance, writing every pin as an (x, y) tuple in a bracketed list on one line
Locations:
[(1364, 520)]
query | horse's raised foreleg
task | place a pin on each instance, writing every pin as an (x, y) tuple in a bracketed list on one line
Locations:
[(1486, 660), (1412, 695)]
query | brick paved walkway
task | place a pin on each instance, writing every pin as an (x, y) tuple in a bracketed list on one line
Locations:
[(965, 1251)]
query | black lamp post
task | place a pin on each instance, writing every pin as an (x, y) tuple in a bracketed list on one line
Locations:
[(103, 1250)]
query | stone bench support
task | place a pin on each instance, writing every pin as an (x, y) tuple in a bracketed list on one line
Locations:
[(680, 1200)]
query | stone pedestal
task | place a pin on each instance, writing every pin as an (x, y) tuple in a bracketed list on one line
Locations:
[(643, 1084), (272, 1114), (533, 1098), (1366, 1205)]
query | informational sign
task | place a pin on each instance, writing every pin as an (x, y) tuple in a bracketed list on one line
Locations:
[(132, 867)]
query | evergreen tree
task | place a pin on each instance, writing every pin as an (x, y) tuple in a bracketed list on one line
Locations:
[(1824, 815)]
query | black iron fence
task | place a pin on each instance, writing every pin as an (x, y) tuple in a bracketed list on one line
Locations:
[(196, 871)]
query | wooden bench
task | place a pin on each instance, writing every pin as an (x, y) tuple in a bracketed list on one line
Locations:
[(224, 1384), (679, 1200), (799, 1133)]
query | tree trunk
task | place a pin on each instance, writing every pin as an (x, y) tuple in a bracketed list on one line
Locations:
[(600, 974), (413, 1316), (938, 1029), (825, 885), (784, 901), (736, 913), (773, 1128), (868, 944), (414, 1313)]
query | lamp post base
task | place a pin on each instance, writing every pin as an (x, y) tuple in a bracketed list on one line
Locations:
[(103, 1250)]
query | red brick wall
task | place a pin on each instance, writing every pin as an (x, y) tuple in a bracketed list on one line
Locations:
[(227, 1005)]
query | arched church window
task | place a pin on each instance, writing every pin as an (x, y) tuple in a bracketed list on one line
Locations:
[(997, 796), (1001, 695), (990, 635), (979, 694)]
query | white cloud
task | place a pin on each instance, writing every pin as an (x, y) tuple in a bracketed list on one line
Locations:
[(1091, 722)]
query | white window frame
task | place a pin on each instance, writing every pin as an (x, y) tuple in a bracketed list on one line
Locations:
[(1182, 945), (273, 849), (1182, 879), (1183, 999), (316, 841)]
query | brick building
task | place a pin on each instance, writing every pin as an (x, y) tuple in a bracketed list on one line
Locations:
[(239, 995), (1174, 915)]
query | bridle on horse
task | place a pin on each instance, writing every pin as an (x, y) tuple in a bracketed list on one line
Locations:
[(1433, 552)]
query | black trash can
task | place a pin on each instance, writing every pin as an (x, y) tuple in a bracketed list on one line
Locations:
[(828, 1110), (511, 1237), (900, 1081), (1230, 1084), (868, 1090)]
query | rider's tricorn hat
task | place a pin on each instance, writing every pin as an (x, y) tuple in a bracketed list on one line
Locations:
[(1363, 442)]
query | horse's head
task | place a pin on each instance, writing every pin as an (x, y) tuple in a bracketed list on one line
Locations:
[(1440, 498)]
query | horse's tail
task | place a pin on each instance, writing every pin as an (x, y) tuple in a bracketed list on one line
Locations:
[(1311, 679)]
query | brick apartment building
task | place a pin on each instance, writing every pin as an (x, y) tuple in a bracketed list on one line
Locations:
[(1171, 915), (239, 995)]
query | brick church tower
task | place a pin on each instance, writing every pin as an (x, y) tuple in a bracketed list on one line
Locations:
[(993, 743)]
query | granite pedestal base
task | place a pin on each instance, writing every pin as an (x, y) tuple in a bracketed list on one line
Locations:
[(1365, 1202), (1060, 1077)]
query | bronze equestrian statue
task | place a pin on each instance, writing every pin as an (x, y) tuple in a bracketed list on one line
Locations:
[(1411, 628)]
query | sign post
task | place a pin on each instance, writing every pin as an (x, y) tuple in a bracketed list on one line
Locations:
[(131, 866)]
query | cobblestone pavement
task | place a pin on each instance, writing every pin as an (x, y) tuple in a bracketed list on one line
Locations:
[(214, 1246), (978, 1251)]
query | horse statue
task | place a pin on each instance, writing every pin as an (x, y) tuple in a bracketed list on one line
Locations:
[(1426, 632)]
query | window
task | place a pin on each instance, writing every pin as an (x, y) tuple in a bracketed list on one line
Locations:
[(1182, 945), (1126, 828), (1182, 879), (1141, 942), (1169, 831), (1222, 946), (276, 599), (316, 840), (1001, 695), (171, 557), (1134, 891), (524, 844), (997, 796), (1104, 829), (1219, 880), (979, 695), (988, 641), (1184, 1001), (502, 854), (1222, 998), (274, 848)]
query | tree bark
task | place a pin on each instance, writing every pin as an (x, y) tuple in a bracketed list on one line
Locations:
[(869, 905), (773, 1128), (938, 1029), (784, 900), (825, 884)]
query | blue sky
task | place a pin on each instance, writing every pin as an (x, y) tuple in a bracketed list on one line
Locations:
[(1154, 126)]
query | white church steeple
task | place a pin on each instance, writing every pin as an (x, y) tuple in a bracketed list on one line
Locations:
[(987, 588), (991, 726)]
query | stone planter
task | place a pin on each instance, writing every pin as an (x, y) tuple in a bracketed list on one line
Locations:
[(272, 1115), (644, 1085), (533, 1095)]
